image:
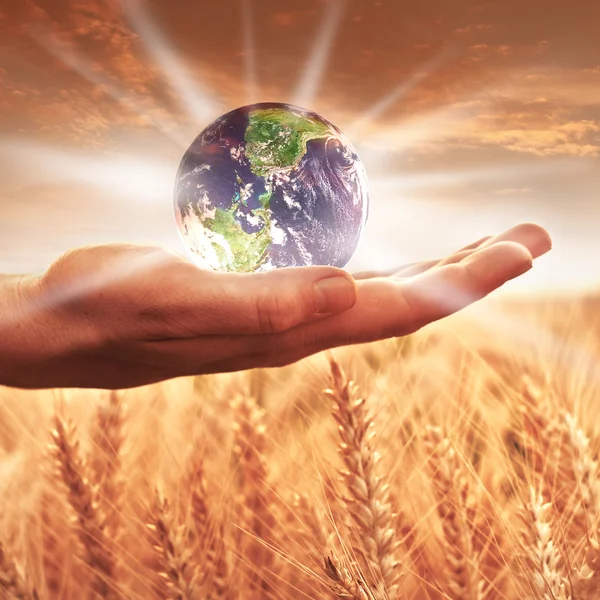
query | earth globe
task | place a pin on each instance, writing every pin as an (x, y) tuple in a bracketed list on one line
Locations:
[(267, 186)]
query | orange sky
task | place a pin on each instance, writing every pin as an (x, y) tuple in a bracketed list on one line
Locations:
[(470, 115)]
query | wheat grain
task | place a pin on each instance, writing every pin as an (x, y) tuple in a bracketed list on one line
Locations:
[(344, 583)]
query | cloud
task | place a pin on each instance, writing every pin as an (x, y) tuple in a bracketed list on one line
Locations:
[(470, 29), (549, 111), (91, 82), (524, 134)]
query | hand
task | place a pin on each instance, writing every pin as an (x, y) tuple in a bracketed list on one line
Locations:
[(121, 316)]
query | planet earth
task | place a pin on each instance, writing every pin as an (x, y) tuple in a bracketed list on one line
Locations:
[(270, 185)]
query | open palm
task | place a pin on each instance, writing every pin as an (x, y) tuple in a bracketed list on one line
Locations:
[(119, 316)]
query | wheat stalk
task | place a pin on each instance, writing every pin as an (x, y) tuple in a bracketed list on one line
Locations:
[(585, 581), (177, 571), (198, 499), (541, 553), (455, 509), (344, 583), (209, 545), (369, 502), (256, 500), (83, 498), (105, 463), (568, 476), (13, 584)]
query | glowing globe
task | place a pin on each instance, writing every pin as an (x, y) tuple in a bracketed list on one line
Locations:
[(267, 186)]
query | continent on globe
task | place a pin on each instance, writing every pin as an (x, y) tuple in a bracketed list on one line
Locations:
[(270, 185)]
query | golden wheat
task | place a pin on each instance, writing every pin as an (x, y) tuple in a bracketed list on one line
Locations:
[(455, 509), (177, 569), (435, 457), (83, 498), (12, 582), (369, 502), (547, 580)]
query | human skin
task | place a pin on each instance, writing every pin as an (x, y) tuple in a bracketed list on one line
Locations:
[(120, 316)]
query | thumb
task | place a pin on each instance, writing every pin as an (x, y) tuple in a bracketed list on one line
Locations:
[(281, 299), (255, 303)]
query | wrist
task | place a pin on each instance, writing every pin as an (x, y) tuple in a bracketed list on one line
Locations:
[(27, 336)]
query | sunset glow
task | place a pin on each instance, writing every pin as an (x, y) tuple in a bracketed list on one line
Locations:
[(469, 117)]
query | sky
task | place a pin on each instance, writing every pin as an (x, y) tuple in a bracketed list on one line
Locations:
[(470, 116)]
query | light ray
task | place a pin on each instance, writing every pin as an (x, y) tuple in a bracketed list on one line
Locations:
[(430, 127), (249, 52), (144, 179), (317, 62), (413, 80), (44, 37), (202, 107), (500, 174), (527, 335), (122, 269)]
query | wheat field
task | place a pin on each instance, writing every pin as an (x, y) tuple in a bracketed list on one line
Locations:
[(458, 463)]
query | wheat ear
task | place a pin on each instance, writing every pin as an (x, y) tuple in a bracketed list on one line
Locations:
[(209, 543), (566, 471), (12, 583), (586, 579), (368, 503), (345, 584), (541, 555), (451, 485), (83, 498), (105, 462), (177, 570), (256, 500)]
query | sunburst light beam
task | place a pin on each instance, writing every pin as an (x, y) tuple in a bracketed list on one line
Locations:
[(500, 174), (201, 106), (411, 82), (49, 42), (317, 63), (409, 133), (250, 70), (143, 179)]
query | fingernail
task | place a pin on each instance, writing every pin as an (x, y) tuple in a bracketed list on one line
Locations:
[(334, 294)]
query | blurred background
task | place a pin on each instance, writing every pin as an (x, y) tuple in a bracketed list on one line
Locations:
[(470, 116)]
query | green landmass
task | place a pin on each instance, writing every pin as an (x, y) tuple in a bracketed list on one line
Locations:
[(249, 250), (276, 139)]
